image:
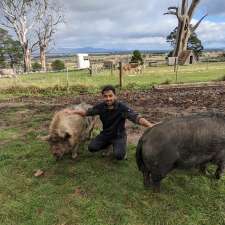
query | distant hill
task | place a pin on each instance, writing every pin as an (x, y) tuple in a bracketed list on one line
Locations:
[(68, 51), (91, 50)]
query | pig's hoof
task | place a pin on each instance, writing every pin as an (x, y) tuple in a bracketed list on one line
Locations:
[(147, 184), (217, 176), (156, 189), (74, 156), (58, 159)]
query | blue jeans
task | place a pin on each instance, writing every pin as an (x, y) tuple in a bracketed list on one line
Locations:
[(101, 142)]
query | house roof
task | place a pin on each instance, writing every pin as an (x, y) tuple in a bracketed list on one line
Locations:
[(185, 55)]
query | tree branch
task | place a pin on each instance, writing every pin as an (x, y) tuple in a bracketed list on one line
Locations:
[(198, 23), (192, 8), (184, 7), (175, 12)]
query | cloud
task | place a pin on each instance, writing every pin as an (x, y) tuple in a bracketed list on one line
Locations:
[(130, 24), (212, 34)]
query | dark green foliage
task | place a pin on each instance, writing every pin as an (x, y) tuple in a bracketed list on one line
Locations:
[(11, 52), (2, 58), (36, 66), (137, 57), (58, 65), (222, 78), (14, 52), (194, 43)]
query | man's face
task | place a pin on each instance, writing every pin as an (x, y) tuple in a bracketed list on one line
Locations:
[(109, 97)]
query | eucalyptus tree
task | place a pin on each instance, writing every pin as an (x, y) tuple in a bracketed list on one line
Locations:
[(185, 28)]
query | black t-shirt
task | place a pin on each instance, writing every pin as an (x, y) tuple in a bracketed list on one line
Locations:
[(113, 120)]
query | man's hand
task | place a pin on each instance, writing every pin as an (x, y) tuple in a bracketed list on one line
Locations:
[(145, 123), (75, 111), (68, 111)]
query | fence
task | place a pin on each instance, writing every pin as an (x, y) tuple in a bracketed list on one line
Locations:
[(116, 75)]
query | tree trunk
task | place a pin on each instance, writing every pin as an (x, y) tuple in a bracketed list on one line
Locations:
[(43, 58), (26, 58), (179, 39), (184, 30)]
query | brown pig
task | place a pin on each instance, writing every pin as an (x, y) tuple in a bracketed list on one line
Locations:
[(68, 131)]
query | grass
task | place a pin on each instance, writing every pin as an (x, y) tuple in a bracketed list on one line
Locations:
[(92, 190), (51, 84)]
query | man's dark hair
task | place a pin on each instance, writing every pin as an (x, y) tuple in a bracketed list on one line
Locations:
[(108, 88)]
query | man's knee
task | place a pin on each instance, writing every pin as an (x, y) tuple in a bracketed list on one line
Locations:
[(92, 147)]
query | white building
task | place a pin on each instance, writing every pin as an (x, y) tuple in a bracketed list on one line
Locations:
[(83, 61)]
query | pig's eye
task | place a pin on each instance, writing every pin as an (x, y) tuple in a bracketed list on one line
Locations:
[(53, 141)]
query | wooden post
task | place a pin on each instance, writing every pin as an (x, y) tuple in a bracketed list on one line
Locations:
[(90, 70), (176, 72), (67, 79), (121, 74), (111, 69), (175, 64), (207, 62)]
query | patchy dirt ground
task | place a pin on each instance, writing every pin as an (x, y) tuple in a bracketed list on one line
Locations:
[(155, 105)]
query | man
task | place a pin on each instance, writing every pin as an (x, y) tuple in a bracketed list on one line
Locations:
[(112, 115)]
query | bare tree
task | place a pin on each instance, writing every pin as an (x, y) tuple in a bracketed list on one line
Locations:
[(47, 24), (185, 28), (21, 16)]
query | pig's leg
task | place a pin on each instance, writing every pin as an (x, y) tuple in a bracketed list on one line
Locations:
[(75, 151), (220, 169), (202, 169), (147, 178), (156, 182)]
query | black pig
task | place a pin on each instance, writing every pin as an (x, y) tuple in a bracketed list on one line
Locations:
[(182, 142)]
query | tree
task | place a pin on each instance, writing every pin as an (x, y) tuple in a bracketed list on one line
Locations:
[(194, 43), (36, 66), (3, 36), (58, 65), (10, 50), (184, 29), (137, 57), (46, 28), (13, 52), (21, 16)]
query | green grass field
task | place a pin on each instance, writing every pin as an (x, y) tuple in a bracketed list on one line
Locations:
[(92, 190), (151, 75)]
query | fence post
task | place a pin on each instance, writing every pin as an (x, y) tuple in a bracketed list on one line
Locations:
[(121, 74), (67, 80), (175, 64), (111, 69), (176, 72), (91, 70), (207, 62)]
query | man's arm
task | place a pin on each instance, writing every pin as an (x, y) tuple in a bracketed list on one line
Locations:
[(142, 121), (75, 111), (93, 111), (137, 118)]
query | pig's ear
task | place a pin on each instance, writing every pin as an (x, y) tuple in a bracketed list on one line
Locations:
[(44, 138)]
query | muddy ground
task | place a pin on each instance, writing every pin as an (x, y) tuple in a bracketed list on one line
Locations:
[(155, 105)]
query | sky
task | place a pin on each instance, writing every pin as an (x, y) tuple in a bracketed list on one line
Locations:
[(134, 24)]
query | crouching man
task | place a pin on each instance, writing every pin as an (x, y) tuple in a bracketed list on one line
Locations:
[(113, 115)]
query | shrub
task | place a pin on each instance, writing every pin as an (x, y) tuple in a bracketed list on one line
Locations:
[(137, 57), (222, 78), (36, 66), (58, 65), (166, 82)]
